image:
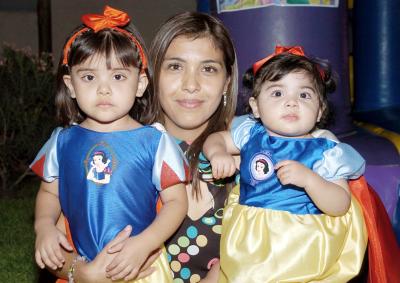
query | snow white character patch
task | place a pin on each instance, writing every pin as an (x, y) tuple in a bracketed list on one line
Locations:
[(261, 166), (99, 163)]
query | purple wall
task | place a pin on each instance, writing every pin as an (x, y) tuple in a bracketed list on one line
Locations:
[(321, 31)]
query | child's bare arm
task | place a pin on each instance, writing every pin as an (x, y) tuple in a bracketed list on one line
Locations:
[(48, 238), (136, 249), (332, 198), (218, 148), (219, 142)]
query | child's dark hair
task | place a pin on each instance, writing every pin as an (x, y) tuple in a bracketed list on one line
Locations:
[(280, 65), (104, 42)]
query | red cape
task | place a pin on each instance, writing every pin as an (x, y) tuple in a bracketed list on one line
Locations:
[(383, 249)]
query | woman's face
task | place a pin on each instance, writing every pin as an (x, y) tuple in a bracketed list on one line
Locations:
[(192, 81)]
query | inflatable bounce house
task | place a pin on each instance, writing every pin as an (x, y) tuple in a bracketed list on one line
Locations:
[(361, 39)]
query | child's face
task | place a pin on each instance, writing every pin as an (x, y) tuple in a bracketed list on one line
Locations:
[(289, 107), (105, 95), (192, 80)]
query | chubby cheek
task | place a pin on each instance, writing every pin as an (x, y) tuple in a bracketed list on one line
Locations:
[(266, 110), (313, 111), (83, 101)]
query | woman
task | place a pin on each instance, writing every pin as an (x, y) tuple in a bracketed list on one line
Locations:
[(195, 80)]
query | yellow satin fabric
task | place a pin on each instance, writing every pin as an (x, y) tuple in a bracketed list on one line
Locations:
[(162, 274), (262, 245)]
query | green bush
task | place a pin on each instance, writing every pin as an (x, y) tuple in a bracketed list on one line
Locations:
[(26, 112)]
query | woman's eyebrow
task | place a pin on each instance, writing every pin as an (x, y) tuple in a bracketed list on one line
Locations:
[(207, 61), (174, 59)]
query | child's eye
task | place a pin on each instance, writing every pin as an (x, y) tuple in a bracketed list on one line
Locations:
[(305, 95), (276, 93), (119, 77), (88, 78)]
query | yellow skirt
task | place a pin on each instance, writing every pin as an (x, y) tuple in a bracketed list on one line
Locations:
[(262, 245), (162, 274)]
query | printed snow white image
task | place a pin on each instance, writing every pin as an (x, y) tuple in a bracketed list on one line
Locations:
[(261, 167), (100, 171)]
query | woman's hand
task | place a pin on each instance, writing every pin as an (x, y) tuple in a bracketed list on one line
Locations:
[(146, 268), (95, 271), (128, 261)]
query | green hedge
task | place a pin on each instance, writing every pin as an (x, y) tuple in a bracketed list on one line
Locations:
[(26, 112)]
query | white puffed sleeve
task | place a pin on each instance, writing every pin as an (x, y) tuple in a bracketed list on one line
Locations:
[(45, 164), (240, 130), (170, 165), (340, 162), (322, 133)]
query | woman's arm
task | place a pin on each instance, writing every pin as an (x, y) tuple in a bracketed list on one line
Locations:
[(94, 271)]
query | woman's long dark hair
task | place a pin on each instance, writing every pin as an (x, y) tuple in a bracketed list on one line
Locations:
[(197, 25)]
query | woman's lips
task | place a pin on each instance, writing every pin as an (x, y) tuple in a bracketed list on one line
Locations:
[(190, 103)]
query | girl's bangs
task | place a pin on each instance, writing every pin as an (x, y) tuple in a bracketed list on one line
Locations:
[(106, 43)]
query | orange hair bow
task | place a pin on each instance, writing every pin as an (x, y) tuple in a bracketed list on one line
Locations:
[(296, 50), (111, 18)]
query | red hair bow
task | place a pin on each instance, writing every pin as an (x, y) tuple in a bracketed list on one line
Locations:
[(296, 50), (111, 18)]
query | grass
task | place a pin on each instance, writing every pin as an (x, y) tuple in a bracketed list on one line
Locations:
[(17, 238)]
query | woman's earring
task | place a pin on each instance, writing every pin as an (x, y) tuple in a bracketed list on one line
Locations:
[(224, 98)]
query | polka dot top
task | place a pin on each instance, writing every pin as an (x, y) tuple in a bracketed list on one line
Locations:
[(194, 247)]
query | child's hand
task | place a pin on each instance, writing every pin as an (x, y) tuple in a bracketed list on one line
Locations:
[(223, 165), (294, 173), (212, 275), (48, 247), (127, 263)]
